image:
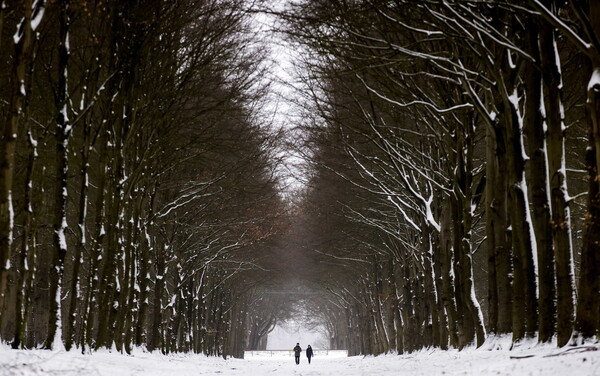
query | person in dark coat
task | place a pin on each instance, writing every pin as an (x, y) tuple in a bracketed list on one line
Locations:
[(297, 351), (309, 353)]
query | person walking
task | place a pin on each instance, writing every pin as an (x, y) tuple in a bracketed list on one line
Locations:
[(297, 351), (309, 353)]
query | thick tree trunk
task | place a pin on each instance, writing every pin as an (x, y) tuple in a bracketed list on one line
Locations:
[(470, 311), (109, 293), (561, 221), (524, 300), (437, 262), (538, 180), (587, 323), (497, 225), (432, 315), (448, 278), (75, 291), (126, 284), (63, 132), (145, 263), (26, 261), (90, 287), (10, 129)]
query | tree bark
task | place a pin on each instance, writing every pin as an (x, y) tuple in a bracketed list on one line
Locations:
[(63, 132), (524, 312), (561, 217), (448, 278), (538, 180), (10, 130), (26, 259), (587, 323)]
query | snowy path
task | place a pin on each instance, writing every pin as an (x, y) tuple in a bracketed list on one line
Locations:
[(533, 360)]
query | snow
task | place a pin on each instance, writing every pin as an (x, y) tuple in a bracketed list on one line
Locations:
[(18, 34), (430, 219), (11, 221), (594, 80), (35, 22), (528, 359), (61, 238)]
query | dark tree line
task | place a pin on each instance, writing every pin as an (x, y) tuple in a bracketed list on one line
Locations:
[(453, 148), (453, 151), (138, 194)]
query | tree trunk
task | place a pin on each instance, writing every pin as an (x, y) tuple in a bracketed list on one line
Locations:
[(398, 318), (524, 312), (389, 297), (81, 244), (437, 262), (561, 217), (155, 341), (587, 324), (26, 265), (10, 127), (432, 315), (449, 298), (63, 132), (470, 311), (492, 179), (538, 180), (497, 229)]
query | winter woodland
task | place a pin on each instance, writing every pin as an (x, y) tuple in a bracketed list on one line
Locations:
[(435, 183)]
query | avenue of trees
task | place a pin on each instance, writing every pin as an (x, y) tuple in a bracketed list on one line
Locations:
[(453, 190), (138, 196)]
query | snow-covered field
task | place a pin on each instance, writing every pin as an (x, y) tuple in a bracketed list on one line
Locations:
[(528, 360)]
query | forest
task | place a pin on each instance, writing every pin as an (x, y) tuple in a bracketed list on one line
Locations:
[(448, 190)]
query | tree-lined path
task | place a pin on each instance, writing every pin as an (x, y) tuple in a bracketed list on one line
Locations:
[(432, 182), (538, 361)]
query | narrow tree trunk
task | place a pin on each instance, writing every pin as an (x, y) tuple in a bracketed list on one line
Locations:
[(437, 262), (156, 323), (398, 318), (125, 286), (81, 244), (142, 303), (389, 296), (492, 180)]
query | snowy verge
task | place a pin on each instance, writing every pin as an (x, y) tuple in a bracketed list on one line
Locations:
[(494, 358)]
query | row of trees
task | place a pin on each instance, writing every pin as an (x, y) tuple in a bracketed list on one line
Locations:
[(440, 133), (137, 195)]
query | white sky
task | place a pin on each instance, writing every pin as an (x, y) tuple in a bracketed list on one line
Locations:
[(280, 108), (285, 337)]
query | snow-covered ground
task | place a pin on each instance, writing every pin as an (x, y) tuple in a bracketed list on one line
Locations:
[(527, 360)]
